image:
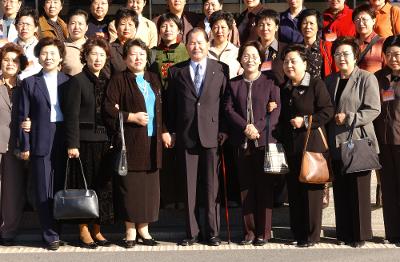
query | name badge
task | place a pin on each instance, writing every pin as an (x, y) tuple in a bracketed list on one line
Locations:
[(266, 66), (330, 37), (388, 95)]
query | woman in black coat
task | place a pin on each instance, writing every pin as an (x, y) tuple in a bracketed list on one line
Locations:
[(86, 134), (301, 97), (248, 135)]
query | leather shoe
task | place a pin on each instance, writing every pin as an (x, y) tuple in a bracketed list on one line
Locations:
[(91, 245), (260, 242), (8, 242), (103, 243), (303, 243), (149, 242), (189, 241), (245, 242), (55, 245), (129, 243), (358, 244), (214, 241)]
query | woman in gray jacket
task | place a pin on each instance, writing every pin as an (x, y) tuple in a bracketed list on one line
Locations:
[(355, 94)]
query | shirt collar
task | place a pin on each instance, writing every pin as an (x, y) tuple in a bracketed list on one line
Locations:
[(385, 9), (27, 44), (274, 45), (202, 63), (306, 79)]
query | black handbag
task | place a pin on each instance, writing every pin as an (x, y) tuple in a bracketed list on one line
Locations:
[(358, 154), (75, 203), (121, 162)]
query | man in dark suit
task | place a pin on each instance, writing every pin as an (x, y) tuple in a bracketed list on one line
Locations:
[(44, 144), (195, 89)]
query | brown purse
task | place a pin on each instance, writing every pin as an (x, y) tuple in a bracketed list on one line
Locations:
[(314, 166)]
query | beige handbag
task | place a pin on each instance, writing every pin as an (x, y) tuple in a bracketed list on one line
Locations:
[(314, 166)]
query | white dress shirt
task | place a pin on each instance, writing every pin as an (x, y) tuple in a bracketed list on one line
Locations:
[(202, 72), (52, 87)]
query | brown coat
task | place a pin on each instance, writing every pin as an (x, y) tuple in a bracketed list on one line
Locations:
[(387, 124), (123, 90), (45, 30)]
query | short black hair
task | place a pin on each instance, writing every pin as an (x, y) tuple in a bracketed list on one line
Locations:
[(134, 42), (268, 13), (124, 13), (221, 2), (75, 12), (109, 1), (169, 17), (257, 45), (310, 12), (393, 40), (299, 48), (221, 15), (366, 8), (196, 30), (26, 11), (46, 41), (91, 43), (346, 40)]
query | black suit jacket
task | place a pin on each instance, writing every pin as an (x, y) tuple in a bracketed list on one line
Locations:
[(196, 120)]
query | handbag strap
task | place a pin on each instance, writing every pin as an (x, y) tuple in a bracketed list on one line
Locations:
[(67, 172), (353, 125), (323, 138), (121, 128), (366, 50), (308, 132)]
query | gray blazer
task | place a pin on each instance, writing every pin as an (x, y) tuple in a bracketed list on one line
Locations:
[(5, 118), (360, 99)]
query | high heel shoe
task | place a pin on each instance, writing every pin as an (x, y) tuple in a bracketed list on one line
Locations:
[(103, 243), (91, 245), (129, 243), (148, 241)]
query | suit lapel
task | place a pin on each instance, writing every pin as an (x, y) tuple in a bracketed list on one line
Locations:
[(4, 95), (185, 74), (208, 78), (346, 92), (41, 84)]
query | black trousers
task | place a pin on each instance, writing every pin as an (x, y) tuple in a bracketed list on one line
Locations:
[(201, 163), (305, 204), (390, 183), (257, 194), (48, 172), (352, 195)]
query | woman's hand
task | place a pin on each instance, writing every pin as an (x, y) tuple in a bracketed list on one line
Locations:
[(297, 122), (340, 119), (26, 125), (24, 155), (140, 118), (271, 106), (251, 132), (73, 153), (168, 140)]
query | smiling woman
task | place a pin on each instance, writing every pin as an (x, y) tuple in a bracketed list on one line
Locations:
[(50, 24)]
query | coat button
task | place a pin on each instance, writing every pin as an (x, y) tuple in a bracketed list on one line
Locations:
[(198, 104)]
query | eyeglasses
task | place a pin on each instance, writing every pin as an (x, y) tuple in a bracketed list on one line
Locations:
[(21, 24), (247, 58), (364, 20), (393, 54), (344, 54)]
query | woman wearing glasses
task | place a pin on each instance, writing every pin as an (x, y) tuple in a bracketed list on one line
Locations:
[(303, 95), (388, 132), (355, 94)]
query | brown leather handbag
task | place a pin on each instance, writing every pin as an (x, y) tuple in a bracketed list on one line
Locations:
[(314, 166)]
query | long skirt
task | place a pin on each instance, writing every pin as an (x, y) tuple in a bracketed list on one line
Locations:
[(352, 195), (98, 174)]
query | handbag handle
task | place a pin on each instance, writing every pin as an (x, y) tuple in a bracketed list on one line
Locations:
[(121, 128), (352, 127), (309, 132), (67, 172)]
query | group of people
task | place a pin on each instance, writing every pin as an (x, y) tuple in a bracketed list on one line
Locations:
[(186, 85)]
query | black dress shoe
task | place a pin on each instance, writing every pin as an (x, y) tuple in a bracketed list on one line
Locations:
[(103, 243), (214, 241), (302, 243), (189, 241), (260, 242), (149, 242), (8, 242), (129, 243), (55, 245), (358, 244), (245, 242), (91, 245)]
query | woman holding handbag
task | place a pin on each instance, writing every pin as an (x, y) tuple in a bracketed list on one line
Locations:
[(247, 101), (86, 135), (137, 92), (303, 96), (355, 94)]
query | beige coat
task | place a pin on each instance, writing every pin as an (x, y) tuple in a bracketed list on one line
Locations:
[(146, 31), (360, 99)]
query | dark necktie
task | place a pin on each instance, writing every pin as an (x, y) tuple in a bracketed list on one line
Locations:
[(197, 79), (395, 78)]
